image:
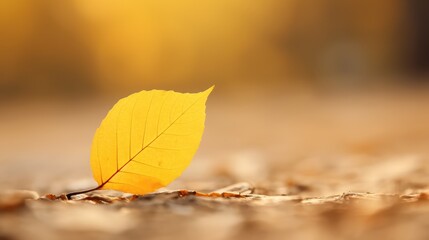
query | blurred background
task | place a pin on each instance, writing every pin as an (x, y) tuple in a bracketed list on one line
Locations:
[(307, 91), (84, 47)]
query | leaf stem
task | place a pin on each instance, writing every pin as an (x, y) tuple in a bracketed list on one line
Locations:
[(68, 195)]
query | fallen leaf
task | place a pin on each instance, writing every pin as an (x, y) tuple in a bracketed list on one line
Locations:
[(147, 140)]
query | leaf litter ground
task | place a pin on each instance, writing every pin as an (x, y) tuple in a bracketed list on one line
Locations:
[(236, 210)]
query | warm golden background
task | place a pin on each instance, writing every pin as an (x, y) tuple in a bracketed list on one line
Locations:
[(73, 47), (312, 97)]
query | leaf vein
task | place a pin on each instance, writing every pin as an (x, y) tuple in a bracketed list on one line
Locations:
[(160, 112), (168, 149), (116, 133), (158, 167), (145, 123), (131, 125)]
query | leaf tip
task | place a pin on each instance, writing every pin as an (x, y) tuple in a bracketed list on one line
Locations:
[(209, 90)]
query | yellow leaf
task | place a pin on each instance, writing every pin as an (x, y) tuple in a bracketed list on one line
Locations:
[(147, 140)]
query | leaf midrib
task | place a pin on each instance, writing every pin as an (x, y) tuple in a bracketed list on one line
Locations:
[(131, 159)]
